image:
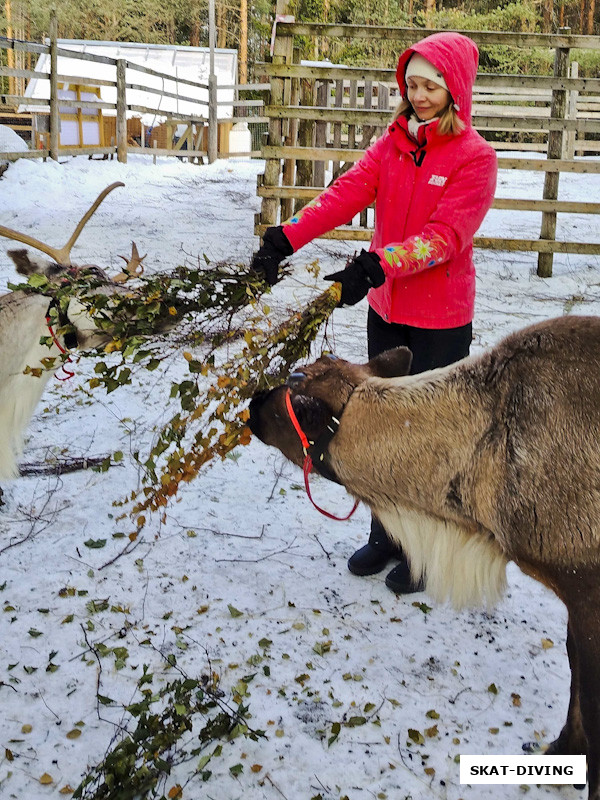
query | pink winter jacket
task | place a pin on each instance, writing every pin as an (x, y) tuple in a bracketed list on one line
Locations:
[(426, 215)]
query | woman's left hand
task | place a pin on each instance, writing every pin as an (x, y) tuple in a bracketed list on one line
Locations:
[(364, 272)]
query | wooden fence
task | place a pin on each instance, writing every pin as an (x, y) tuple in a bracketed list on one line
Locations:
[(193, 142), (322, 117)]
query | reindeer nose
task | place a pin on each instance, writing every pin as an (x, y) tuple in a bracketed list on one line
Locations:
[(295, 379)]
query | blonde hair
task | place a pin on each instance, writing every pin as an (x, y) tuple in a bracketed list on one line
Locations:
[(450, 122)]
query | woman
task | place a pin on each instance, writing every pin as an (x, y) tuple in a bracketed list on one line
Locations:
[(432, 178)]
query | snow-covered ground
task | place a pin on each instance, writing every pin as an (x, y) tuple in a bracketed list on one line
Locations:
[(244, 577)]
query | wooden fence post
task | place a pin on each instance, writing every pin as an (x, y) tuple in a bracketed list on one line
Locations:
[(323, 101), (291, 140), (282, 54), (121, 124), (555, 151), (304, 167), (54, 113), (367, 104), (571, 138), (213, 108)]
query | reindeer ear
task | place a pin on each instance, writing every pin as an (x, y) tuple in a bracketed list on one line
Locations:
[(22, 261), (391, 363)]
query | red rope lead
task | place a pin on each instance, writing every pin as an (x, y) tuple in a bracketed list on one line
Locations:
[(308, 464), (68, 373)]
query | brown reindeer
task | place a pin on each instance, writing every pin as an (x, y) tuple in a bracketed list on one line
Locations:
[(34, 330), (492, 459)]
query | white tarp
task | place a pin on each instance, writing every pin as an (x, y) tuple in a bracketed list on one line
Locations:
[(190, 63)]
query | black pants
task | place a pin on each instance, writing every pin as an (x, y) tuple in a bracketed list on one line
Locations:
[(431, 348)]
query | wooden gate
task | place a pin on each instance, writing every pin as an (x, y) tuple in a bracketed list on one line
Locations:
[(323, 116)]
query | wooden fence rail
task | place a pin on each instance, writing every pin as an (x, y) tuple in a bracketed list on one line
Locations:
[(124, 82), (324, 128)]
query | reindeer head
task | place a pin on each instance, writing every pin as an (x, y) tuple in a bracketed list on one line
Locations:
[(318, 392), (60, 271)]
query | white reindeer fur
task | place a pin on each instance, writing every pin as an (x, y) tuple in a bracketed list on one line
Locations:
[(465, 568), (22, 323)]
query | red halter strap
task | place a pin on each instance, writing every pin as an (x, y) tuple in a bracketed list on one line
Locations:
[(308, 463), (68, 373)]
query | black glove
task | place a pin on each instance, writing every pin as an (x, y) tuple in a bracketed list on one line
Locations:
[(274, 249), (364, 272)]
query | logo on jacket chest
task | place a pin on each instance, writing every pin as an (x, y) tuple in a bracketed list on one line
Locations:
[(438, 180)]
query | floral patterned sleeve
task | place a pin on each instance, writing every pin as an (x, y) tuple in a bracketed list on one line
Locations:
[(415, 254)]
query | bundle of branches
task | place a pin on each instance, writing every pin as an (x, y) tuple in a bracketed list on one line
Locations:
[(133, 315), (213, 417), (173, 725)]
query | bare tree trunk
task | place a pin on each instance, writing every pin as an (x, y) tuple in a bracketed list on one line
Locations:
[(591, 8), (547, 9), (195, 33), (429, 11), (582, 16), (221, 24), (243, 51), (10, 54)]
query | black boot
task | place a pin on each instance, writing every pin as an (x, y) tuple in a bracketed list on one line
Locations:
[(374, 556), (399, 580)]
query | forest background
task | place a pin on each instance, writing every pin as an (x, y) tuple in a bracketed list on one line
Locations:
[(245, 25)]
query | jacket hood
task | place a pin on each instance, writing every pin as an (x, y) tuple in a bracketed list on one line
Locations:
[(456, 57)]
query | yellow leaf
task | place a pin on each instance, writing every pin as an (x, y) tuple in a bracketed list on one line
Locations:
[(112, 346), (172, 311), (547, 644), (74, 734), (46, 779), (175, 791), (26, 729), (256, 767), (187, 356), (66, 790)]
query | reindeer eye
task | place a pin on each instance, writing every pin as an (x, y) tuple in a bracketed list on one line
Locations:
[(295, 378)]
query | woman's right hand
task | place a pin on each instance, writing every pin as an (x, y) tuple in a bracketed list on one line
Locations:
[(274, 249)]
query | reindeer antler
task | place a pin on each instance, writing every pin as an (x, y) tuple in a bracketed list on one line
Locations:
[(61, 255), (134, 266)]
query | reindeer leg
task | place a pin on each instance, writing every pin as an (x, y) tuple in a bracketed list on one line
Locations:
[(571, 740), (586, 635)]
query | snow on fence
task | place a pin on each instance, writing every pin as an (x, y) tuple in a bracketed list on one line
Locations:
[(322, 117)]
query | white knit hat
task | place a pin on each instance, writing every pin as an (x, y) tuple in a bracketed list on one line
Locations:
[(418, 65)]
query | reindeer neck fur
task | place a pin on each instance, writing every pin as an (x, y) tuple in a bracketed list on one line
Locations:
[(423, 500), (20, 393), (378, 462)]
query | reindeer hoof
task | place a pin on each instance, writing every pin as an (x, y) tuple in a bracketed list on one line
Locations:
[(533, 748)]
